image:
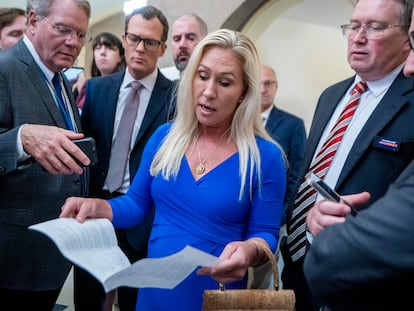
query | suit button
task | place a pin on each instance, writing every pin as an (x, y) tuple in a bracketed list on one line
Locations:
[(2, 169)]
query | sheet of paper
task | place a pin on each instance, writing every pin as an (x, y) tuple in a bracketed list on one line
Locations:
[(92, 245)]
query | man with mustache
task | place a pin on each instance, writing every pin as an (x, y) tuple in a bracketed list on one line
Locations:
[(187, 31)]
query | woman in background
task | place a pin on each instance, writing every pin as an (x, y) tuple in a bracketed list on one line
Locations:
[(108, 57)]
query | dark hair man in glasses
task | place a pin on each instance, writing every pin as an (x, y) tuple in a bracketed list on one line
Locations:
[(146, 31), (377, 143), (38, 121)]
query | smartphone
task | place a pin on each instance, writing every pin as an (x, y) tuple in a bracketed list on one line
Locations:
[(87, 145), (327, 192), (72, 73)]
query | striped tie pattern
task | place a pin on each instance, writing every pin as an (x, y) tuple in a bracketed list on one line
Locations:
[(306, 195)]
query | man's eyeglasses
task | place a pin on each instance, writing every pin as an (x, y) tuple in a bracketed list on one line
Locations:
[(411, 40), (149, 44), (268, 83), (66, 31), (374, 30)]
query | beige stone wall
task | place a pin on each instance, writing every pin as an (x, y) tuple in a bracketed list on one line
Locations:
[(214, 12), (301, 39)]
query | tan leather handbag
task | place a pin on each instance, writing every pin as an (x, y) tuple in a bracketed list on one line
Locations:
[(251, 299)]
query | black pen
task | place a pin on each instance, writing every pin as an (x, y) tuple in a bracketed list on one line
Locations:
[(327, 192)]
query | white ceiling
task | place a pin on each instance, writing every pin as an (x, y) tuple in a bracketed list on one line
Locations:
[(100, 8)]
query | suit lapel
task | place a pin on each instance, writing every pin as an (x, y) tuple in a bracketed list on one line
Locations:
[(39, 83), (156, 103), (109, 105), (274, 120), (388, 107), (36, 77)]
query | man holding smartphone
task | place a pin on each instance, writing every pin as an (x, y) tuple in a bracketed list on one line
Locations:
[(371, 262), (378, 142), (38, 170)]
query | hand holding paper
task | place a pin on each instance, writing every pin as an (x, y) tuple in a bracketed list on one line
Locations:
[(92, 245)]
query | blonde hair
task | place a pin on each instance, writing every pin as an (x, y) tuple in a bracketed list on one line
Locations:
[(246, 124)]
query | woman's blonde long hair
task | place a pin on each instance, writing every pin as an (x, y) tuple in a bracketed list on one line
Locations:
[(246, 124)]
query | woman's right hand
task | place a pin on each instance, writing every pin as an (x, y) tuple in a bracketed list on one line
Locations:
[(85, 208)]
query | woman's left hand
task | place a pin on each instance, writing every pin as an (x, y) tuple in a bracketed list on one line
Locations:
[(235, 260)]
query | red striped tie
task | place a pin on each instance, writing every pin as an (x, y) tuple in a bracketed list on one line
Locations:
[(306, 195)]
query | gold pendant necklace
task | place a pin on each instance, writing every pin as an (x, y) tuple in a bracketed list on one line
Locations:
[(200, 167)]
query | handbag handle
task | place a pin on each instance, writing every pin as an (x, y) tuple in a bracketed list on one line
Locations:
[(272, 259)]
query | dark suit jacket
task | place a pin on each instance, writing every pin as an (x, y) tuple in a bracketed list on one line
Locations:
[(28, 194), (369, 166), (98, 117), (367, 263), (289, 131)]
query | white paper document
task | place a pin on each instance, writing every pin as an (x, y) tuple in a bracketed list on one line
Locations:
[(92, 245)]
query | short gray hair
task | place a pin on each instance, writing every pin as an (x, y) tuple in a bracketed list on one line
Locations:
[(41, 7)]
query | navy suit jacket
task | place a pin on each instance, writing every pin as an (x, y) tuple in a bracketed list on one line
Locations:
[(369, 165), (289, 131), (367, 263), (29, 194), (98, 117)]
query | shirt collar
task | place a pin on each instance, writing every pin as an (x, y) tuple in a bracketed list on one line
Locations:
[(379, 86), (147, 82), (266, 113)]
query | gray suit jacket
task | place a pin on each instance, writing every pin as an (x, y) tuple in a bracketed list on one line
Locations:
[(367, 263), (28, 194)]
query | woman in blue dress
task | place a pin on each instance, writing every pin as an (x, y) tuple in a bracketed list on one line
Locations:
[(216, 179)]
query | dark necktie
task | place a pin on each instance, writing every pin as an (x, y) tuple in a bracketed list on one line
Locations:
[(306, 195), (64, 109), (122, 143)]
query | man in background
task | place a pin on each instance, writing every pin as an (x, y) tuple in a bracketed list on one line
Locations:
[(187, 31), (103, 115), (38, 122), (289, 131), (12, 26)]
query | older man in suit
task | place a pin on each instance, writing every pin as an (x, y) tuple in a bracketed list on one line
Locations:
[(287, 129), (372, 260), (144, 42), (379, 142), (37, 169)]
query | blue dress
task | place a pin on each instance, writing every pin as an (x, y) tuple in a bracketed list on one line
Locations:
[(205, 214)]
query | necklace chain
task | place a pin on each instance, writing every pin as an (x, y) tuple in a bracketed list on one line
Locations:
[(200, 167)]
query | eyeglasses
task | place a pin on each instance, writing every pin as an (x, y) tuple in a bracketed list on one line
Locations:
[(66, 31), (268, 83), (149, 44), (374, 30), (411, 40)]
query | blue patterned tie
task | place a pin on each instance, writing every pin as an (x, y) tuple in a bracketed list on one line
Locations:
[(59, 98)]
